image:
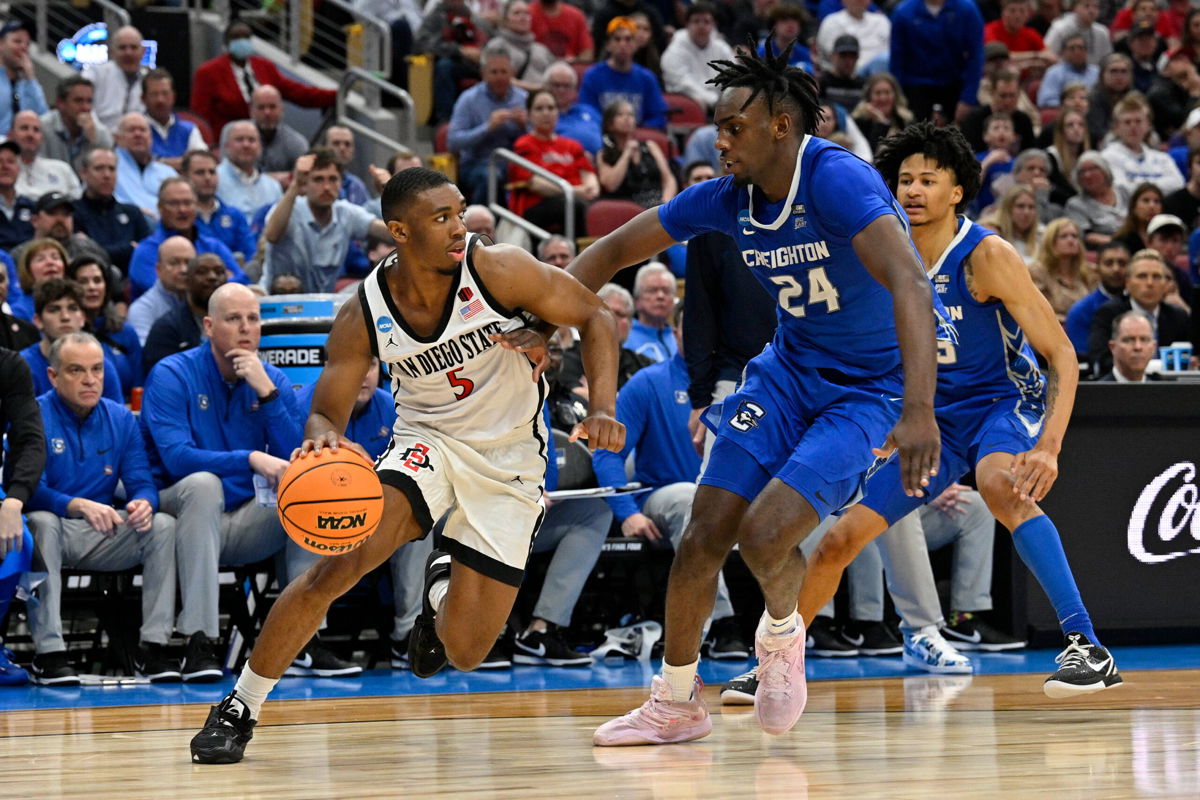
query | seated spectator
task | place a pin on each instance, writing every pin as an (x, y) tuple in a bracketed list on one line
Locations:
[(654, 408), (340, 140), (1016, 220), (576, 120), (630, 168), (59, 311), (1174, 94), (92, 444), (489, 115), (19, 87), (15, 333), (1081, 20), (871, 29), (479, 219), (118, 81), (115, 226), (1026, 48), (1116, 81), (104, 311), (530, 58), (558, 252), (1032, 168), (1138, 12), (1111, 264), (170, 285), (563, 29), (15, 210), (686, 61), (883, 110), (1099, 210), (454, 35), (170, 136), (182, 328), (1189, 34), (618, 78), (610, 10), (840, 85), (41, 260), (1132, 161), (1144, 49), (1075, 97), (240, 182), (72, 127), (1073, 68), (839, 127), (1132, 345), (1070, 141), (281, 143), (996, 159), (996, 59), (654, 299), (535, 198), (1165, 235), (1006, 91), (209, 440), (139, 176), (646, 52), (222, 86), (786, 22), (53, 218), (309, 236), (177, 217), (213, 217), (1146, 286), (1061, 272), (39, 174), (1145, 203)]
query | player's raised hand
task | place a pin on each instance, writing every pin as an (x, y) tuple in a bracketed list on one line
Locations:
[(601, 431), (529, 342), (916, 437), (1035, 472)]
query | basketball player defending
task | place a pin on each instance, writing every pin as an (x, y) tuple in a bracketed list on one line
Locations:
[(469, 434), (819, 229), (997, 413)]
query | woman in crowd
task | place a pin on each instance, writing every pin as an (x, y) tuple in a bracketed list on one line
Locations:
[(1071, 140), (535, 198), (1144, 204), (529, 58), (647, 53), (631, 169), (41, 260), (1099, 208), (883, 110), (1016, 220), (1061, 271), (105, 314)]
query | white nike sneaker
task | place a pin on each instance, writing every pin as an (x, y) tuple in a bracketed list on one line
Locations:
[(926, 650)]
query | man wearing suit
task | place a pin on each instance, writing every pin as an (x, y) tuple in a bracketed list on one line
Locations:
[(1145, 288), (1132, 345)]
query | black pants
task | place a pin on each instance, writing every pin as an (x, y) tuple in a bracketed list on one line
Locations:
[(550, 213), (922, 99)]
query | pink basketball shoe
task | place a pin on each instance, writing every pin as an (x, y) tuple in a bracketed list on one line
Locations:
[(782, 692), (659, 720)]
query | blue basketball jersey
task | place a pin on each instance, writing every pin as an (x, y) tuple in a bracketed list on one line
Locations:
[(832, 313), (991, 357)]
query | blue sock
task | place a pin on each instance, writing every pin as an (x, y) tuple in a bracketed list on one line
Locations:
[(1040, 547)]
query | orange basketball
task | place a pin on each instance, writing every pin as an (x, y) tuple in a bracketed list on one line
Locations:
[(330, 503)]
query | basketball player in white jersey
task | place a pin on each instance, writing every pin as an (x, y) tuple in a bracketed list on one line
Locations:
[(469, 436)]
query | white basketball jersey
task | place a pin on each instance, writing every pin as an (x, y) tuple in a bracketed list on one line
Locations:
[(457, 381)]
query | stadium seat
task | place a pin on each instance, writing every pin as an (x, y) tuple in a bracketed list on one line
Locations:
[(200, 122), (605, 216), (684, 113), (1048, 116), (664, 142)]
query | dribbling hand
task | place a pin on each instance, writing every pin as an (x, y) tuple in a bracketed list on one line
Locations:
[(601, 431), (331, 440)]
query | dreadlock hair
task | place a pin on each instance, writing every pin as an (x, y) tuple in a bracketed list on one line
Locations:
[(946, 147), (789, 88)]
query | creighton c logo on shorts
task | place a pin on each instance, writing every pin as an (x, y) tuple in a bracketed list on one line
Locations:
[(747, 416)]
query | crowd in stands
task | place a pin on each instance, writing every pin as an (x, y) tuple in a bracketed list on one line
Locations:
[(134, 250)]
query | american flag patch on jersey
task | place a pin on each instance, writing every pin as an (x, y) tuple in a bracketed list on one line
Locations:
[(471, 309)]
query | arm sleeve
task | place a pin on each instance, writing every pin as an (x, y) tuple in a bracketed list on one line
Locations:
[(285, 420), (196, 140), (1099, 334), (610, 466), (22, 418), (203, 94), (856, 193), (654, 108), (523, 147), (901, 52), (32, 97), (700, 310), (112, 382), (167, 422), (141, 265), (707, 206), (972, 38), (135, 465), (465, 132)]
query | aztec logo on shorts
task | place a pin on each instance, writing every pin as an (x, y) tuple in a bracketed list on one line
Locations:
[(417, 457), (747, 416)]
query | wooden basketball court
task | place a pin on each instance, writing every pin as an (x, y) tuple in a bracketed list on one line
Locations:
[(914, 737)]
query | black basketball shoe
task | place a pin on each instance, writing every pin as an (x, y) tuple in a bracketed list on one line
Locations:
[(740, 691), (969, 631), (426, 654), (547, 648), (1084, 668), (225, 734), (200, 664), (725, 642), (871, 638), (823, 640), (153, 663)]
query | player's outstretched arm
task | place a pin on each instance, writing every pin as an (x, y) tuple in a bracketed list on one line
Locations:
[(632, 243), (518, 280), (888, 255), (348, 357), (997, 271)]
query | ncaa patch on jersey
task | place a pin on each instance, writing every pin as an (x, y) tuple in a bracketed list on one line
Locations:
[(384, 324)]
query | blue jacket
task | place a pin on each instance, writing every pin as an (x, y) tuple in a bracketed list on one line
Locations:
[(1079, 318), (41, 381), (194, 421), (141, 267), (122, 348), (86, 457), (938, 51), (372, 428), (18, 229), (653, 343), (229, 226), (114, 225), (654, 409)]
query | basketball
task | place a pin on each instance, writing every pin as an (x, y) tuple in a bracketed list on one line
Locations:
[(329, 503)]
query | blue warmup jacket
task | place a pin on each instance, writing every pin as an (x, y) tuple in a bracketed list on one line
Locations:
[(372, 428), (654, 409), (86, 457), (941, 50), (194, 421)]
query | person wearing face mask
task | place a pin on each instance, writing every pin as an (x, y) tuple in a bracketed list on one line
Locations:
[(222, 86)]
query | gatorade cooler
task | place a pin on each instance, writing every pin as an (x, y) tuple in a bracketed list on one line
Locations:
[(294, 329)]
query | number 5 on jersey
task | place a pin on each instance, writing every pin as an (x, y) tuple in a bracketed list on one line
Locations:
[(462, 386), (820, 290)]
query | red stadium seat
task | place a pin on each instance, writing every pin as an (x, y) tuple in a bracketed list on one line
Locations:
[(200, 122), (605, 216), (683, 112), (664, 142), (580, 68), (441, 138), (1048, 116)]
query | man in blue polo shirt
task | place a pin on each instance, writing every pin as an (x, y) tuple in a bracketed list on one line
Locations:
[(489, 115), (171, 136), (650, 335), (618, 78), (215, 217), (138, 175)]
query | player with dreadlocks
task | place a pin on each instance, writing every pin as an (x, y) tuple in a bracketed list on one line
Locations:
[(817, 227)]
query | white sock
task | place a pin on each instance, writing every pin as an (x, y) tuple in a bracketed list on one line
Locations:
[(681, 680), (252, 690), (781, 627), (437, 592)]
